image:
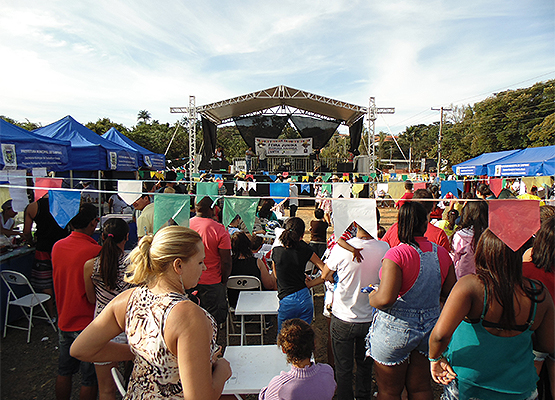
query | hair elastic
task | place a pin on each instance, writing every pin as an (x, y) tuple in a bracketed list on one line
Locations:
[(110, 235)]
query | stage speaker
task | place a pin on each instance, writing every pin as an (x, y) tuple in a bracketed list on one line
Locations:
[(345, 167)]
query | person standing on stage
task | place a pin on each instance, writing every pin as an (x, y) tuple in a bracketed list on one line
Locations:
[(262, 157), (248, 158)]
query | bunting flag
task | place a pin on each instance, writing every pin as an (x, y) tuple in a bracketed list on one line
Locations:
[(245, 208), (363, 211), (358, 187), (171, 206), (449, 187), (249, 176), (285, 174), (195, 175), (180, 176), (345, 177), (305, 178), (18, 180), (341, 190), (326, 176), (396, 190), (419, 185), (47, 183), (265, 173), (506, 217), (326, 187), (206, 189), (294, 178), (356, 174), (365, 178), (310, 173), (305, 187), (279, 191), (142, 174), (130, 191), (273, 177), (241, 185), (393, 175), (383, 187), (496, 186), (64, 205), (220, 183), (152, 174), (218, 176), (373, 174), (404, 177)]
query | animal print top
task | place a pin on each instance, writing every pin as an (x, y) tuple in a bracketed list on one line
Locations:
[(156, 371)]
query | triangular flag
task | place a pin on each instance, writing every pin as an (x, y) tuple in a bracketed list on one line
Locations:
[(449, 187), (496, 186), (46, 183), (505, 220), (279, 191), (273, 177), (206, 189), (130, 191), (305, 178), (310, 173), (363, 211), (358, 187), (326, 187), (244, 207), (419, 185), (285, 174), (305, 187), (365, 178), (64, 205), (171, 206), (326, 176), (180, 176)]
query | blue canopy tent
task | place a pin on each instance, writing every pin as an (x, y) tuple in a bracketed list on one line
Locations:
[(90, 152), (22, 149), (533, 161), (147, 158), (478, 165)]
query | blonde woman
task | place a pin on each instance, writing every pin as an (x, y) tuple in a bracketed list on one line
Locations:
[(172, 340)]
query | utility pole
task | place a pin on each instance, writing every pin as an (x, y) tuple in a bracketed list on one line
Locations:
[(439, 136)]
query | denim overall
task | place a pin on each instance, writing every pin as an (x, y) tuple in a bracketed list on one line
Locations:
[(406, 326)]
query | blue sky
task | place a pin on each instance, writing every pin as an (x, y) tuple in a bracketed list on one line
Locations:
[(94, 59)]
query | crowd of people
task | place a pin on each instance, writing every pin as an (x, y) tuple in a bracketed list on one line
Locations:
[(438, 296)]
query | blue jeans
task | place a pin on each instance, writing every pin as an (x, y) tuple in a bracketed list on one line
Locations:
[(296, 305), (68, 365), (348, 345)]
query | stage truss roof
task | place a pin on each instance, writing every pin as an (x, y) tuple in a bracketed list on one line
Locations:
[(279, 100)]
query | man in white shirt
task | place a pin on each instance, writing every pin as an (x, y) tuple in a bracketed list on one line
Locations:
[(352, 313)]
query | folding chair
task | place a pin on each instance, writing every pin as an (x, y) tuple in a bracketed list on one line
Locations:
[(242, 282), (118, 379), (29, 301)]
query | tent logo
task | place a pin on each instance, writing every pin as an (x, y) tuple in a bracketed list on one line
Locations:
[(113, 160), (8, 155), (148, 162)]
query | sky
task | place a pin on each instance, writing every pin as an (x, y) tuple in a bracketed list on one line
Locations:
[(96, 59)]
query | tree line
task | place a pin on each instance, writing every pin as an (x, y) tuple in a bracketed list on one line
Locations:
[(512, 119)]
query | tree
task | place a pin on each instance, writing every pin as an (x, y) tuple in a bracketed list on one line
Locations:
[(103, 125), (143, 116)]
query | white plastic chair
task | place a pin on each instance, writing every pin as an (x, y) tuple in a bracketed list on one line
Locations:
[(30, 301), (242, 282), (118, 379)]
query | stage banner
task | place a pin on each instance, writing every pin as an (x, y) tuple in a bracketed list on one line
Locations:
[(286, 147)]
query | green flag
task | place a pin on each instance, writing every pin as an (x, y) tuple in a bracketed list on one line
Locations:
[(180, 176), (327, 176), (171, 206), (207, 189), (365, 178), (244, 207)]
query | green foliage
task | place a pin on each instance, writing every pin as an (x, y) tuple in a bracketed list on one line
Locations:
[(103, 125), (28, 125), (514, 119)]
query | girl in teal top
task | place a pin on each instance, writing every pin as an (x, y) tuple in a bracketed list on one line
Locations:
[(487, 322)]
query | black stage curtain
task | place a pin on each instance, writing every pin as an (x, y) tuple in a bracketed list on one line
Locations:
[(261, 126), (355, 133), (209, 132), (320, 130)]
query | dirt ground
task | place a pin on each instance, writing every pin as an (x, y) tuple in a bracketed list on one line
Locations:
[(28, 370)]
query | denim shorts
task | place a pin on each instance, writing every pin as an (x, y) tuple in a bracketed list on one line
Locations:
[(451, 392), (296, 305), (68, 365), (392, 339)]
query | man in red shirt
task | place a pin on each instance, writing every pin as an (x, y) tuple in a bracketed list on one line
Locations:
[(433, 233), (407, 196), (217, 246), (74, 310)]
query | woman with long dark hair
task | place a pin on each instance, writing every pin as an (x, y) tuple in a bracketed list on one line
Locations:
[(414, 275), (474, 221), (244, 263), (481, 346), (290, 261), (104, 280)]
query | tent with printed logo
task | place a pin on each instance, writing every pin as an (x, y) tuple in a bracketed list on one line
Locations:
[(147, 158), (22, 149), (90, 152)]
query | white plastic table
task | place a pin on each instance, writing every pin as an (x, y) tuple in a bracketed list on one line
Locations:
[(252, 368), (256, 303)]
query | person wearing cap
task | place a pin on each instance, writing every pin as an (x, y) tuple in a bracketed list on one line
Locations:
[(7, 222)]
